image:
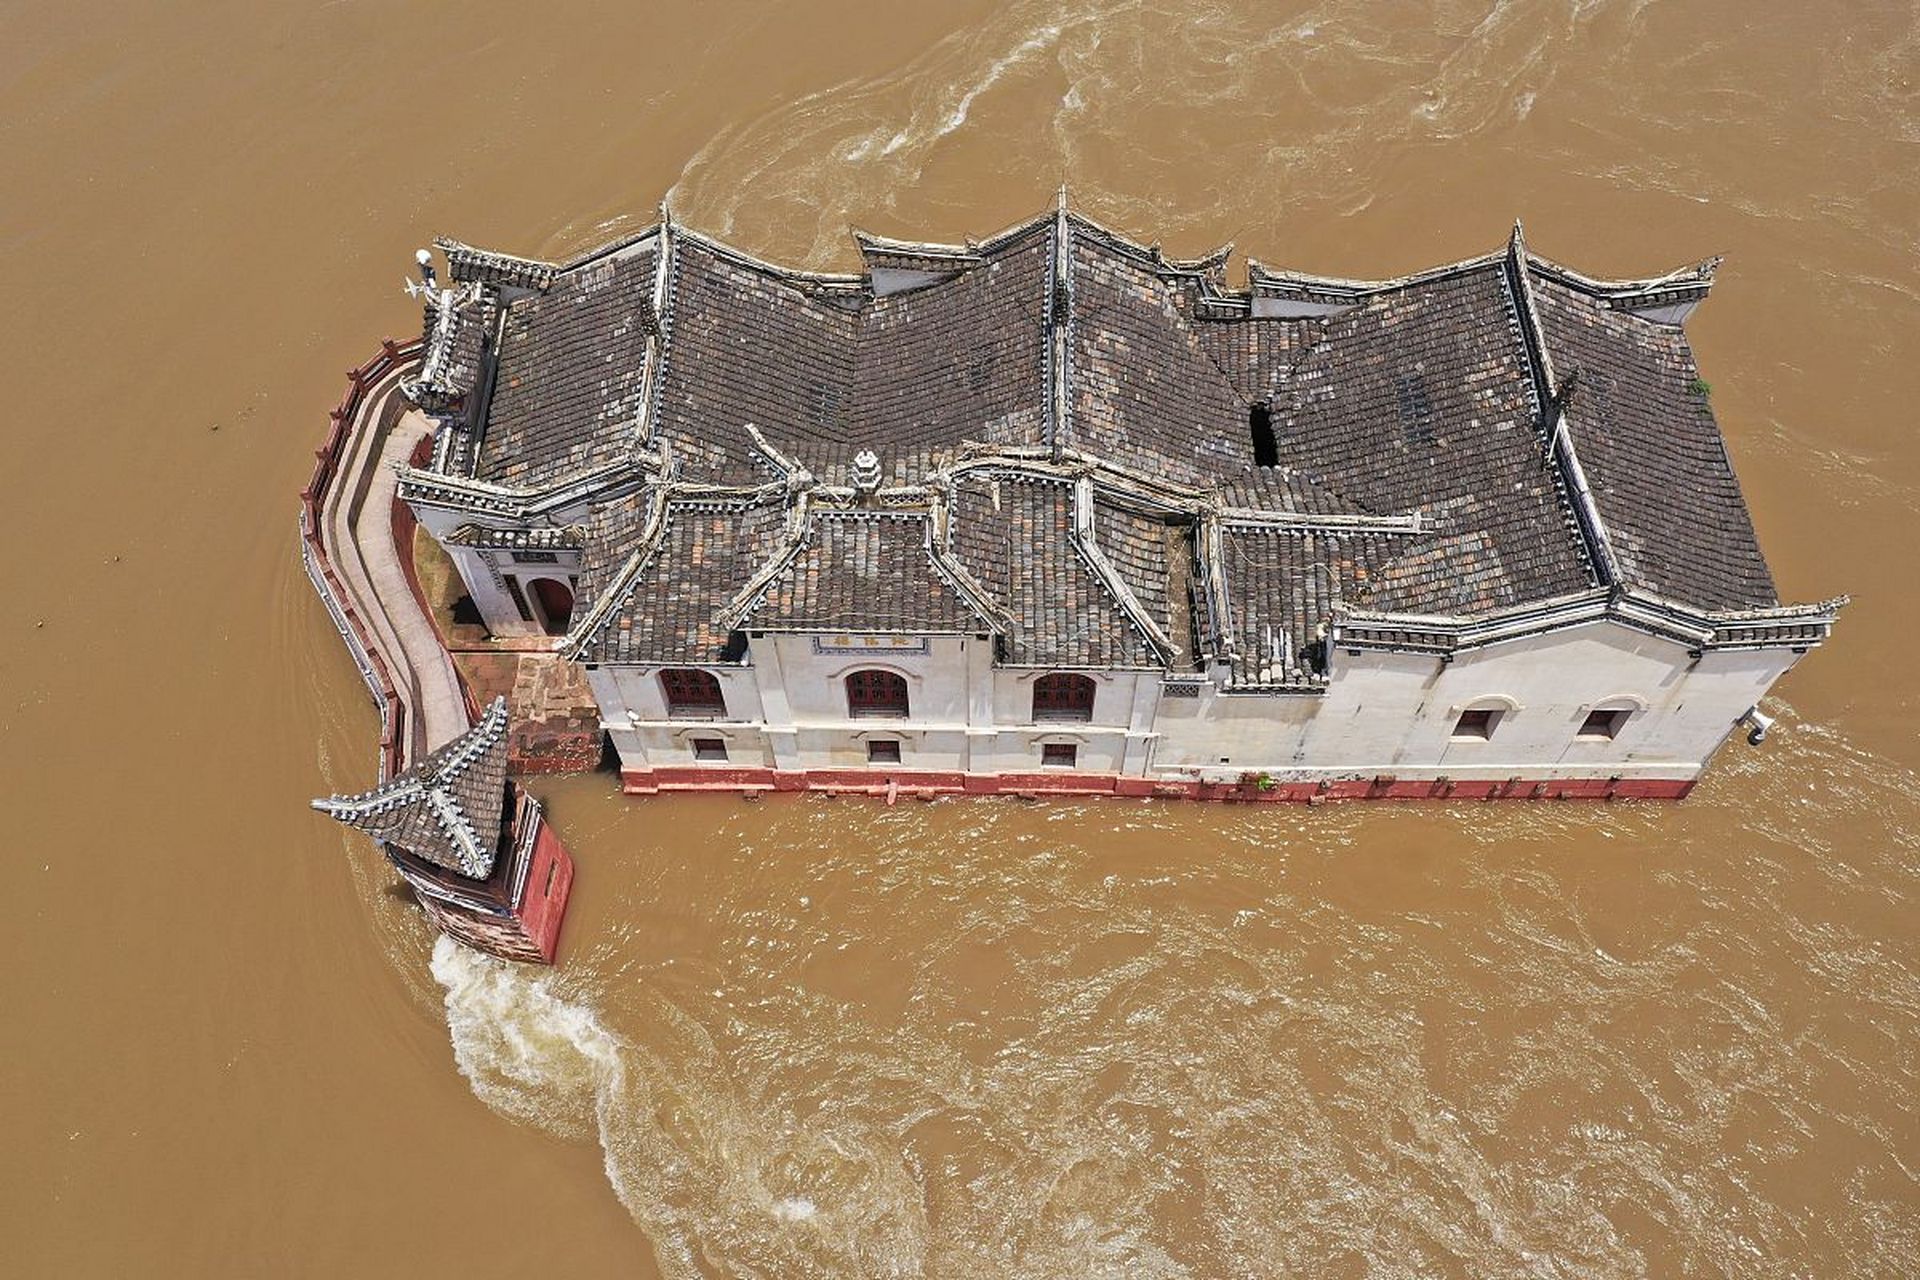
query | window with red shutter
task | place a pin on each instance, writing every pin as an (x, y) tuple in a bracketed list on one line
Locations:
[(1063, 696), (692, 694), (876, 693)]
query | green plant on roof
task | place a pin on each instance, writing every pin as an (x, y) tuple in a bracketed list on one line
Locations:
[(1702, 388)]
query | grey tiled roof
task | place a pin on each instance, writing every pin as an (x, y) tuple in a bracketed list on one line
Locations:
[(1421, 399), (864, 573), (749, 347), (964, 360), (1014, 534), (1287, 489), (1653, 454), (1281, 586), (704, 555), (566, 393), (1147, 394), (1153, 553), (1453, 574), (1055, 354), (448, 809)]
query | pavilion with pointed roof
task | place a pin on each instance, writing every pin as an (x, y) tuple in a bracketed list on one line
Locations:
[(450, 808), (470, 842)]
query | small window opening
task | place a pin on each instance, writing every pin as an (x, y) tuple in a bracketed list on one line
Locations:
[(1059, 755), (1603, 724), (1266, 450), (709, 749), (883, 751), (556, 605), (552, 868), (1477, 723), (518, 596)]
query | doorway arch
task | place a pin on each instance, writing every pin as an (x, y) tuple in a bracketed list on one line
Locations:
[(554, 601)]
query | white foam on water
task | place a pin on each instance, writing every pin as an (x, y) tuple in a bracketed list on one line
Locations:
[(1039, 42), (794, 1209), (527, 1052)]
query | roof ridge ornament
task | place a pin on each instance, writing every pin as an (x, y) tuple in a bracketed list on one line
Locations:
[(866, 473), (1059, 317)]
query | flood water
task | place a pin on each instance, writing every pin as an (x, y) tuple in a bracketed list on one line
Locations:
[(808, 1037)]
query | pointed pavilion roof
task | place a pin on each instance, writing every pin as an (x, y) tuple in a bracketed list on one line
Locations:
[(447, 808)]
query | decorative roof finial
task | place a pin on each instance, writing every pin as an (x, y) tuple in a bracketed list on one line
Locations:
[(866, 471)]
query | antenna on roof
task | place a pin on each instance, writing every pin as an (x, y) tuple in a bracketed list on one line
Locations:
[(428, 283)]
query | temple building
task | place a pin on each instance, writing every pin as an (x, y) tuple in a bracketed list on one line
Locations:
[(471, 844), (1053, 511)]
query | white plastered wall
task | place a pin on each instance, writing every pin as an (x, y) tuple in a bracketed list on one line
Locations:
[(1382, 714)]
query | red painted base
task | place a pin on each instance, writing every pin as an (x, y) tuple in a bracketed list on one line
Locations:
[(549, 882), (1383, 787), (489, 922)]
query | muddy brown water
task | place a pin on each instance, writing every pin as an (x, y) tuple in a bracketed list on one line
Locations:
[(827, 1038)]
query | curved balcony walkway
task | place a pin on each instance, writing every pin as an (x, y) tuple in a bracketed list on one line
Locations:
[(361, 564)]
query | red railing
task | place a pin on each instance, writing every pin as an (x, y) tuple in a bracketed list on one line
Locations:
[(319, 566)]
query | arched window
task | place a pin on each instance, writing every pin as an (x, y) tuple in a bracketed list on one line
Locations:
[(1063, 696), (556, 605), (876, 693), (692, 694)]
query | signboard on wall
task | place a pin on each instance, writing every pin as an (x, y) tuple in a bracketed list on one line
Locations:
[(859, 646)]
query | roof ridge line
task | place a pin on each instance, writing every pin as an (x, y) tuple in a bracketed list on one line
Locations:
[(1696, 275), (1553, 397), (1259, 273), (1412, 524), (958, 576), (795, 275), (961, 255), (480, 736), (1081, 531), (652, 539), (666, 282), (1059, 339), (799, 533)]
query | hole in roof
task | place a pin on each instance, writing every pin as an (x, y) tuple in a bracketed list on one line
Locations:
[(1266, 450)]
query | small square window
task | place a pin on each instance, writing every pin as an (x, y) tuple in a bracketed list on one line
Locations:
[(1059, 755), (709, 749), (1476, 724), (883, 751), (1603, 724)]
